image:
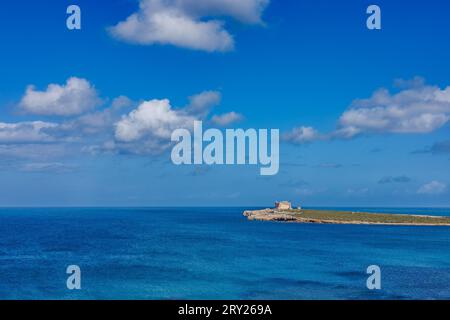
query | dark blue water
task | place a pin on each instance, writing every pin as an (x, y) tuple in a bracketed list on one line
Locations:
[(212, 253)]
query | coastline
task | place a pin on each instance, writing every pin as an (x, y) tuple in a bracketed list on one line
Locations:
[(344, 217)]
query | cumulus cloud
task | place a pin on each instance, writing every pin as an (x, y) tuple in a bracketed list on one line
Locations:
[(121, 102), (73, 98), (25, 132), (416, 108), (246, 11), (37, 141), (433, 188), (187, 23), (153, 119), (226, 118), (93, 123), (147, 128), (200, 105), (302, 135), (123, 127), (419, 109)]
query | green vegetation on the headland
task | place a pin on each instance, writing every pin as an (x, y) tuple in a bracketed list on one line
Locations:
[(347, 216), (344, 217)]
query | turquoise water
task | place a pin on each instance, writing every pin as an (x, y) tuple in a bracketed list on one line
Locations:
[(215, 253)]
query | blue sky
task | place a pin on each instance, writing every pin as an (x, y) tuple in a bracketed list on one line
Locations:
[(310, 65)]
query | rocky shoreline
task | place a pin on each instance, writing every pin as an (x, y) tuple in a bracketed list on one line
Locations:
[(313, 216)]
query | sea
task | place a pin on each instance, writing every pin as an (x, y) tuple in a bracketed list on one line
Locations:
[(215, 253)]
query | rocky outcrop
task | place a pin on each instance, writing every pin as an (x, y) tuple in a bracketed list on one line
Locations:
[(280, 216), (269, 215), (311, 216)]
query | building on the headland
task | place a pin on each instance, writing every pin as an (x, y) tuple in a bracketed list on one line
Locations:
[(283, 205)]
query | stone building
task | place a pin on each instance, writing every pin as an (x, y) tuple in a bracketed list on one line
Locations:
[(283, 205)]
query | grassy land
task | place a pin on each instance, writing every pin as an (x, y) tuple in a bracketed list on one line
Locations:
[(347, 216)]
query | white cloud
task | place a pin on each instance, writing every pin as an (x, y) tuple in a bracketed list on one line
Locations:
[(121, 102), (302, 135), (157, 118), (420, 109), (201, 104), (97, 123), (246, 11), (147, 129), (187, 23), (34, 140), (73, 98), (153, 119), (25, 132), (123, 127), (433, 188), (227, 118), (416, 108)]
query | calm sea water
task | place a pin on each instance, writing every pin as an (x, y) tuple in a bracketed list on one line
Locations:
[(215, 253)]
